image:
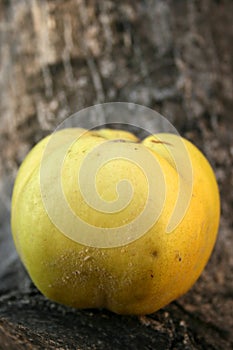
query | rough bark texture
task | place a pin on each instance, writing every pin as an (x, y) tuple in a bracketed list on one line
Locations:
[(57, 57)]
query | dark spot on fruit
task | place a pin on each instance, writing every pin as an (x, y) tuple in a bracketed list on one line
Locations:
[(97, 135), (151, 275), (178, 256), (154, 253), (163, 142)]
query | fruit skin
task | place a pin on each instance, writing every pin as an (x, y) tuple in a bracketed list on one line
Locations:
[(138, 278)]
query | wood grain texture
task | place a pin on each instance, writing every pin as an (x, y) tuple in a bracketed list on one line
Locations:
[(57, 57)]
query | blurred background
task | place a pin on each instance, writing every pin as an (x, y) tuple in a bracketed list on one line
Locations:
[(57, 57)]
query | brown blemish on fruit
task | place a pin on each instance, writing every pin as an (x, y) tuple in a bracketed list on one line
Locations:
[(154, 253), (94, 133), (163, 142), (178, 256)]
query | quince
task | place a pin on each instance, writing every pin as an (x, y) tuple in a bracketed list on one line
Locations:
[(91, 263)]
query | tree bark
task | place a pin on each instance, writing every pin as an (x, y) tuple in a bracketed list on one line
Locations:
[(57, 57)]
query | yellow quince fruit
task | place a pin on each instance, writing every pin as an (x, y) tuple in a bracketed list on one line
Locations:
[(101, 219)]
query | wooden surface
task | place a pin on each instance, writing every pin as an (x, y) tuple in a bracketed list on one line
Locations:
[(58, 57)]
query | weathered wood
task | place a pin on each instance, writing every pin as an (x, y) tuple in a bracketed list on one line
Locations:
[(57, 57)]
